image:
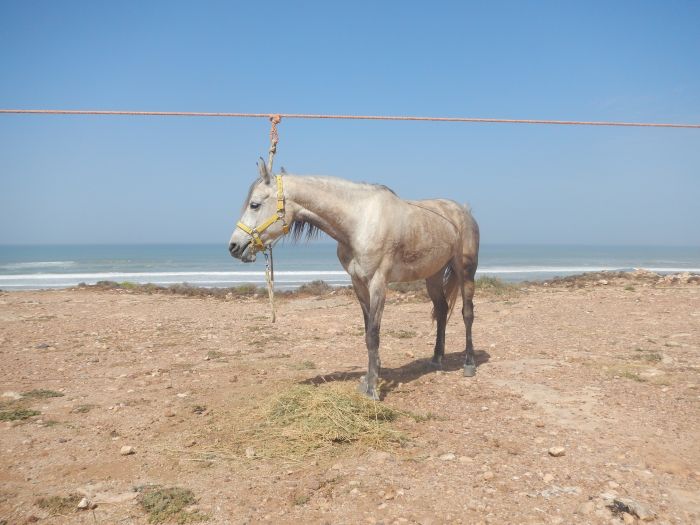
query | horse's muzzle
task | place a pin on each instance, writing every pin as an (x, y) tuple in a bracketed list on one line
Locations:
[(241, 251)]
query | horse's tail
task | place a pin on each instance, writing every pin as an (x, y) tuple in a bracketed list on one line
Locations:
[(450, 286)]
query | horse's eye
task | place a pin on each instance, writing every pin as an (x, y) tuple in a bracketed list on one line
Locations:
[(254, 205)]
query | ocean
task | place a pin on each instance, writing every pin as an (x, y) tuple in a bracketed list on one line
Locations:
[(210, 265)]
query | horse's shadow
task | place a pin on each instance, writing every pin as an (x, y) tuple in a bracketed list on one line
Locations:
[(392, 377)]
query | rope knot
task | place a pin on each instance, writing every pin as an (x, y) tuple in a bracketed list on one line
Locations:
[(274, 139)]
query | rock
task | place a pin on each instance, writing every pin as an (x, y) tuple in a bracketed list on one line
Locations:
[(641, 273), (448, 457), (585, 508), (250, 452), (557, 451), (86, 504), (12, 395), (127, 450), (465, 459), (608, 497), (628, 518), (633, 507), (548, 478), (169, 412), (488, 475)]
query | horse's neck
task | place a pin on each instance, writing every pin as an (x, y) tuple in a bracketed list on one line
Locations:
[(327, 203)]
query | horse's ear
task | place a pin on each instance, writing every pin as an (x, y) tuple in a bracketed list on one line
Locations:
[(262, 169)]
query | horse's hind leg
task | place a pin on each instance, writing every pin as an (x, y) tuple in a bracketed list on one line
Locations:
[(440, 310), (468, 316)]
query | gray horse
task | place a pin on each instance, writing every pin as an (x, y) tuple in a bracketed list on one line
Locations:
[(381, 239)]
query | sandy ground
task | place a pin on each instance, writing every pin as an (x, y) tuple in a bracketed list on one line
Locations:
[(609, 372)]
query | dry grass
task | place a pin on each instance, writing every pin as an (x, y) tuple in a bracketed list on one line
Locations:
[(169, 504), (183, 289), (42, 393), (495, 286), (58, 505), (305, 420), (315, 288), (17, 414)]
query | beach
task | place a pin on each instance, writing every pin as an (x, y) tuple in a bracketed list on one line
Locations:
[(584, 408)]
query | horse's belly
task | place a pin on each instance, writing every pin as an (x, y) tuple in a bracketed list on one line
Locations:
[(412, 265)]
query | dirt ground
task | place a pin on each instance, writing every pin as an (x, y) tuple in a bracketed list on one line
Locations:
[(606, 370)]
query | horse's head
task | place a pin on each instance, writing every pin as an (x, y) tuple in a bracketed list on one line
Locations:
[(263, 217)]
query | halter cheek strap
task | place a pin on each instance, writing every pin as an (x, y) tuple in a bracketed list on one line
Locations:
[(258, 244)]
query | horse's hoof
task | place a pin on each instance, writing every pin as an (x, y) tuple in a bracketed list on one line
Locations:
[(435, 364), (364, 389), (469, 370)]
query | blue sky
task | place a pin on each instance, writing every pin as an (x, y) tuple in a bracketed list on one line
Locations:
[(138, 179)]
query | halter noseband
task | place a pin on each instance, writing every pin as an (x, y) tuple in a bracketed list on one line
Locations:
[(255, 232)]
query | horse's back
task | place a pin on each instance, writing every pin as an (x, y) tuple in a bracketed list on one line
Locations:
[(460, 215)]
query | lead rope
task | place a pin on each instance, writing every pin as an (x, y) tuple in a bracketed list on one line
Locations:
[(270, 279), (269, 261)]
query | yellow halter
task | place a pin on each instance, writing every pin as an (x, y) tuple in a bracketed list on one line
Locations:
[(255, 232)]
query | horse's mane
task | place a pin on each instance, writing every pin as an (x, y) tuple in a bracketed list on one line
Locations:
[(305, 229)]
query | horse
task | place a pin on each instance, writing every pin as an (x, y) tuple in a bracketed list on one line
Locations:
[(381, 239)]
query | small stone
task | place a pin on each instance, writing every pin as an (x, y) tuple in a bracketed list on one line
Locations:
[(548, 478), (539, 424), (169, 412), (613, 485), (488, 475), (250, 452), (465, 459), (628, 518), (86, 504), (633, 507), (127, 450), (12, 395), (448, 457), (557, 451)]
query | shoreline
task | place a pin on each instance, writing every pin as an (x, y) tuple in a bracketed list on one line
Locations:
[(320, 287)]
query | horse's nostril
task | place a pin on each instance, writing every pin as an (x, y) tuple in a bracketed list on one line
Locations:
[(232, 248)]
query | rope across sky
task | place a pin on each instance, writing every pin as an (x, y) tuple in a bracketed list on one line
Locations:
[(345, 117)]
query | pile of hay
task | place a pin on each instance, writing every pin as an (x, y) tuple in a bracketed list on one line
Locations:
[(305, 419)]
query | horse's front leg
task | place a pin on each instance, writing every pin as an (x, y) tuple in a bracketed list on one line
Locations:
[(377, 296), (362, 293)]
